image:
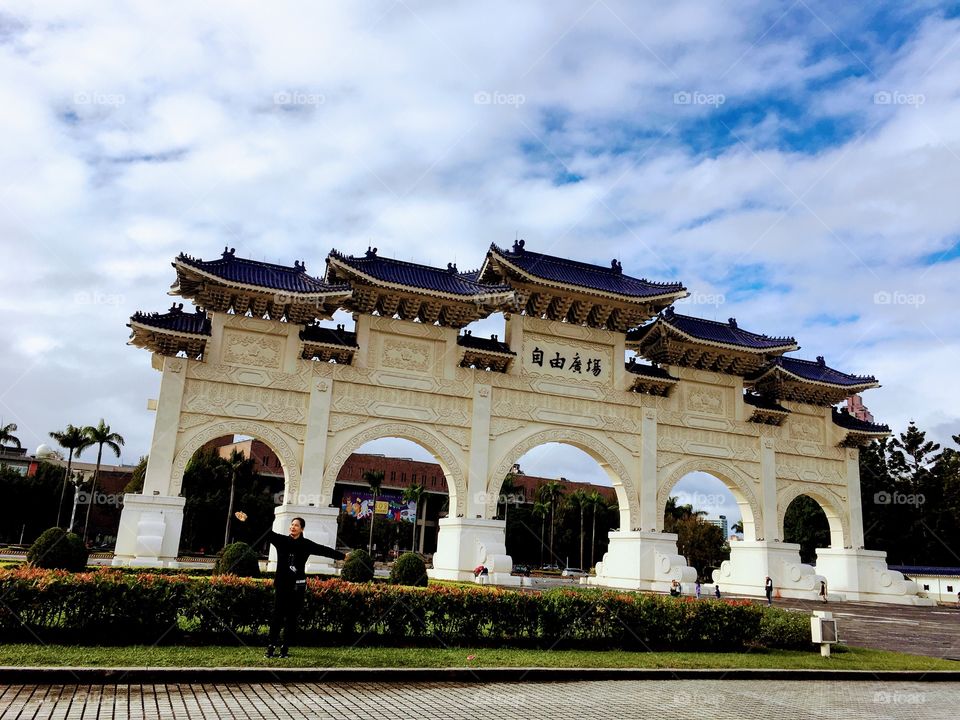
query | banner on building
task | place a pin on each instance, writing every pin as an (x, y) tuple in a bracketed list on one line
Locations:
[(358, 504)]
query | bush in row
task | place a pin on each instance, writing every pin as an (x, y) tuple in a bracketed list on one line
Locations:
[(358, 567), (58, 549), (108, 605), (237, 559)]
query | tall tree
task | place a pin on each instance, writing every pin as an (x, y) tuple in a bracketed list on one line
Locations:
[(805, 523), (374, 479), (413, 494), (551, 494), (507, 487), (100, 435), (581, 500), (74, 440), (233, 468), (596, 504), (541, 510), (7, 436)]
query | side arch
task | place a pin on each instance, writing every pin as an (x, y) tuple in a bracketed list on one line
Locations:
[(447, 459), (593, 446), (833, 507), (736, 481), (285, 448)]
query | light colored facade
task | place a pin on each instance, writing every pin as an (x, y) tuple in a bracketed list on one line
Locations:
[(409, 376)]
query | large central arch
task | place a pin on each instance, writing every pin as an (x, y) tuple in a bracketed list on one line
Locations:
[(456, 480), (828, 502), (602, 452)]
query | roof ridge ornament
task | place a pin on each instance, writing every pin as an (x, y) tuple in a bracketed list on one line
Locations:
[(821, 361), (299, 266), (616, 266), (518, 246), (176, 308), (228, 252), (732, 322), (669, 311), (452, 268), (371, 252)]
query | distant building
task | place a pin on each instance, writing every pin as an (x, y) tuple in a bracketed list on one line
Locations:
[(940, 583), (721, 523), (857, 409)]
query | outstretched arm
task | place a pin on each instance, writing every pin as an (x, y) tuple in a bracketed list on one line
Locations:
[(318, 549)]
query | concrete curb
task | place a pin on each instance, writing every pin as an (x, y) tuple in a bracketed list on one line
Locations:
[(187, 675)]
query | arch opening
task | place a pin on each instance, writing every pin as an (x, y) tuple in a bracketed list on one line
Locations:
[(813, 519)]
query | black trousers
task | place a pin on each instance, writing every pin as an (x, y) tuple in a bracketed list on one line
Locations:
[(287, 602)]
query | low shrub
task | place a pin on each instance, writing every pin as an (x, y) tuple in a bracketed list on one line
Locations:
[(358, 567), (784, 629), (56, 549), (237, 559), (409, 569)]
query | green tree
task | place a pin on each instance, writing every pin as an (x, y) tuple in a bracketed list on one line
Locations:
[(541, 510), (413, 494), (551, 493), (596, 503), (805, 523), (580, 500), (100, 435), (74, 440), (701, 543), (374, 479), (138, 476), (233, 468), (507, 488), (7, 436)]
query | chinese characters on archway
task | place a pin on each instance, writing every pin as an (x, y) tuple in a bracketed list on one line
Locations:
[(560, 362)]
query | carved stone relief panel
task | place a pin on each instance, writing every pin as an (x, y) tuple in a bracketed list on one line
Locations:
[(705, 400), (244, 401), (400, 404), (263, 377), (811, 469), (407, 354), (248, 349)]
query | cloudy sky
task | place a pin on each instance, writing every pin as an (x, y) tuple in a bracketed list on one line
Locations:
[(794, 163)]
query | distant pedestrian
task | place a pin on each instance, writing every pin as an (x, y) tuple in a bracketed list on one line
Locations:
[(958, 599), (716, 591), (697, 589), (675, 589), (768, 587), (823, 590)]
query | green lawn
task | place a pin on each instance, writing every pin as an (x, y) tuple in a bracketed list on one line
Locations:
[(220, 656)]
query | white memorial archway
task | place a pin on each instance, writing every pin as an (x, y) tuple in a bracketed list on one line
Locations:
[(252, 359)]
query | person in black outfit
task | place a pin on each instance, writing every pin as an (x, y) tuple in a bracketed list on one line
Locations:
[(290, 584), (768, 588)]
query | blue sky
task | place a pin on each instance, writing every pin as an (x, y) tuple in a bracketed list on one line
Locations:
[(795, 164)]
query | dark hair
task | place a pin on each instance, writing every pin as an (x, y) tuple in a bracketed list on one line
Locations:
[(303, 523)]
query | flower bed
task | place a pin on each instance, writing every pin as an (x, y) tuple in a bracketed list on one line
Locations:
[(112, 607)]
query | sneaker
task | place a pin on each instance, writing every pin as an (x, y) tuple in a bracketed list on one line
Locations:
[(283, 652), (269, 652)]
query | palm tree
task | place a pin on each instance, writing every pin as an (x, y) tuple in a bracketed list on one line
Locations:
[(414, 493), (99, 436), (236, 466), (552, 495), (75, 441), (581, 500), (596, 502), (540, 510), (7, 435), (506, 488), (374, 479)]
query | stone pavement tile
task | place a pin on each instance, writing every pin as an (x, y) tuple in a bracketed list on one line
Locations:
[(616, 699)]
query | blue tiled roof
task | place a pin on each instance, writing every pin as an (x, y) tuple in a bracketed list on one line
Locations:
[(195, 323), (818, 371), (485, 344), (848, 422), (425, 277), (648, 371), (328, 336), (727, 333), (252, 272), (926, 570), (571, 272)]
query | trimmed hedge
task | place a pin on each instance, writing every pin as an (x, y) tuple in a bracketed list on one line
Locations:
[(107, 606), (237, 559), (409, 569), (358, 567), (58, 549)]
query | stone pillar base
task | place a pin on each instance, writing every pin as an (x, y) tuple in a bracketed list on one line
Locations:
[(864, 575), (643, 561), (463, 544), (751, 561), (149, 533), (321, 527)]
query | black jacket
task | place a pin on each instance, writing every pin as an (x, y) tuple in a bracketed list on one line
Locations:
[(292, 556)]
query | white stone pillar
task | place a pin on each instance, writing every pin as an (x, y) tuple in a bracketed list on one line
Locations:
[(649, 511), (766, 528), (479, 470), (854, 501), (465, 543), (149, 533), (863, 575), (752, 561), (315, 445), (164, 444), (643, 561)]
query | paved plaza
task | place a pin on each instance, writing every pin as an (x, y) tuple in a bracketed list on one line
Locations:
[(715, 699)]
